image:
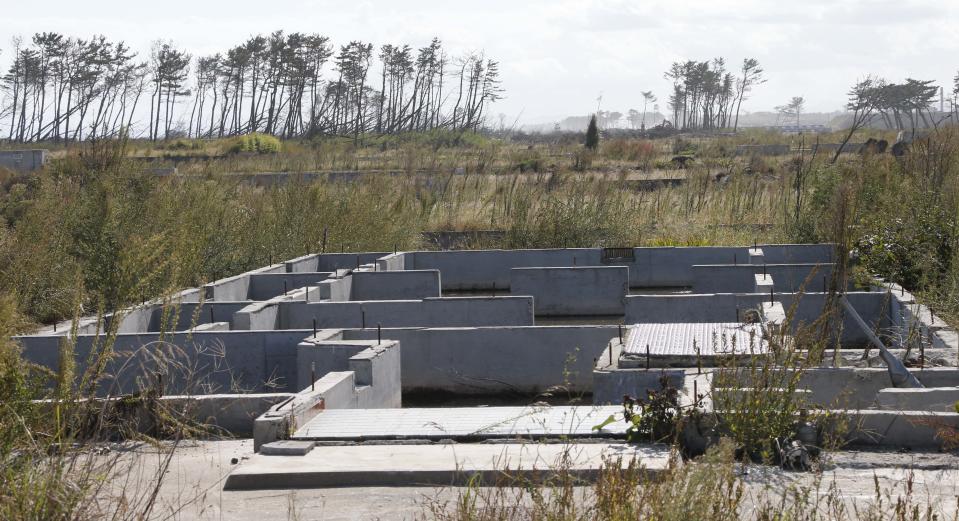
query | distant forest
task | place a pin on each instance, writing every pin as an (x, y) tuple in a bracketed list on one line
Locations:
[(62, 88)]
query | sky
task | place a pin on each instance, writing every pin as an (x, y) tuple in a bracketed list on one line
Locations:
[(558, 56)]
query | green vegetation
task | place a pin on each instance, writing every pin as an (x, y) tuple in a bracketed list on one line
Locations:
[(97, 231), (256, 143), (592, 134)]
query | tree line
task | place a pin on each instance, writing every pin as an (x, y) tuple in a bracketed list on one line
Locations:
[(705, 95), (63, 88)]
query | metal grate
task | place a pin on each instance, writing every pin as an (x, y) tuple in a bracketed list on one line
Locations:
[(618, 255)]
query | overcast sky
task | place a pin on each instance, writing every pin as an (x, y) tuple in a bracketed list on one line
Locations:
[(557, 56)]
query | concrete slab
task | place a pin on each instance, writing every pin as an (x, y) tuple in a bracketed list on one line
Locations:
[(695, 339), (287, 448), (434, 464), (461, 423)]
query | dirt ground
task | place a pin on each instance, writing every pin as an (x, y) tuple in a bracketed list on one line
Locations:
[(193, 482)]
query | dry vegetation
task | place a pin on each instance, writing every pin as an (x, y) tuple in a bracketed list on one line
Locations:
[(97, 231)]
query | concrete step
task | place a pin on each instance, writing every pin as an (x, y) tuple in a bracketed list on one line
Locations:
[(435, 464), (462, 423)]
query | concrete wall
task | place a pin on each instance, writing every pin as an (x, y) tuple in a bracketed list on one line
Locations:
[(438, 312), (392, 262), (196, 363), (23, 160), (336, 288), (653, 267), (595, 290), (372, 382), (859, 388), (898, 429), (787, 278), (349, 261), (942, 399), (497, 359), (264, 286), (609, 386), (395, 285), (236, 288), (304, 264), (376, 367), (723, 307)]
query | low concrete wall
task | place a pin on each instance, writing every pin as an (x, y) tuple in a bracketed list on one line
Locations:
[(187, 312), (497, 359), (372, 382), (789, 278), (395, 285), (336, 288), (23, 160), (731, 307), (941, 399), (264, 286), (202, 362), (597, 290), (609, 386), (898, 429), (859, 388), (348, 261), (304, 264), (392, 262), (236, 288), (439, 312), (652, 267), (376, 366)]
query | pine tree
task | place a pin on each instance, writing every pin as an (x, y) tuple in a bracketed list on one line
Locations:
[(592, 134)]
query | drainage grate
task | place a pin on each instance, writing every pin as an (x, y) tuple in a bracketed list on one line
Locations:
[(618, 255)]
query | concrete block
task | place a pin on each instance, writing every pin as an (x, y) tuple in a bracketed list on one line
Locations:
[(756, 256), (763, 284), (287, 448), (573, 291)]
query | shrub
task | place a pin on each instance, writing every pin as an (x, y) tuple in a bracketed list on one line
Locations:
[(256, 143)]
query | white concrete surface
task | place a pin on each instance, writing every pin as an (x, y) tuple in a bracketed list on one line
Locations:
[(433, 464), (461, 422)]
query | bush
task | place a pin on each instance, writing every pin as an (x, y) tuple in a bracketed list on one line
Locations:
[(256, 143)]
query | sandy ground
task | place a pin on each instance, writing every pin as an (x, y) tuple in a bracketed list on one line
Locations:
[(192, 485)]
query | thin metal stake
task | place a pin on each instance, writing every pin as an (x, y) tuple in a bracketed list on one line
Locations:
[(609, 346), (314, 327), (54, 327), (379, 334), (922, 352), (284, 288), (620, 327), (363, 316), (695, 393), (647, 357), (312, 376), (771, 298), (211, 315)]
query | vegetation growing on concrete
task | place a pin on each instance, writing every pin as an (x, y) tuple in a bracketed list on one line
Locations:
[(98, 231)]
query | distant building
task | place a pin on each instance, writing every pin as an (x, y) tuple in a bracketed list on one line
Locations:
[(23, 160)]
